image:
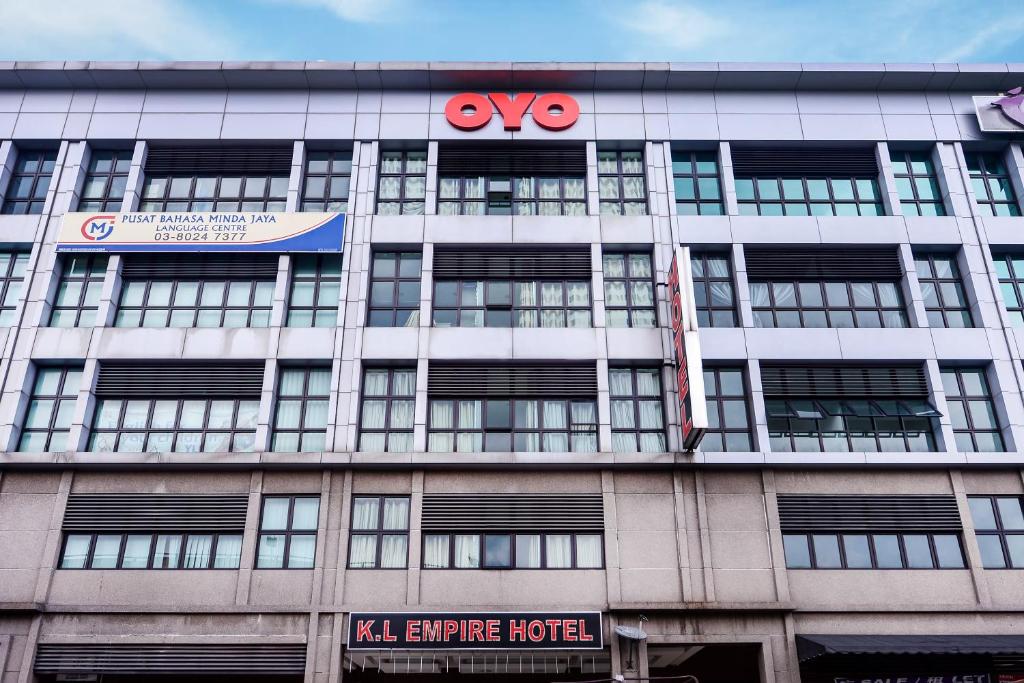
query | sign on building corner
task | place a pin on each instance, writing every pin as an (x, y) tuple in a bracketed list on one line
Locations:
[(1003, 113), (692, 404)]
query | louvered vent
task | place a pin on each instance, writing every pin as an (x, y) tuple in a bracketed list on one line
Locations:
[(190, 160), (805, 512), (508, 512), (559, 263), (230, 380), (155, 512), (847, 263), (812, 381), (221, 266), (512, 380), (165, 659), (837, 162), (512, 159)]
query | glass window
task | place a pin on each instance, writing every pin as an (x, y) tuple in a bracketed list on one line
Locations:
[(497, 550), (12, 275), (803, 196), (30, 181), (105, 180), (380, 532), (942, 290), (697, 185), (917, 184), (315, 290), (79, 289), (301, 417), (508, 303), (713, 289), (1010, 270), (288, 528), (326, 183), (827, 304), (638, 415), (387, 412), (214, 191), (167, 550), (519, 424), (873, 551), (521, 195), (629, 290), (402, 182), (971, 410), (729, 422), (50, 410), (622, 185), (394, 299), (993, 190), (999, 527)]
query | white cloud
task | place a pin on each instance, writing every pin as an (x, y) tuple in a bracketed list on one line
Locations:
[(359, 11), (989, 38), (673, 25), (111, 29)]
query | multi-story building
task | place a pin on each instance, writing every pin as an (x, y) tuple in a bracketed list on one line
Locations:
[(320, 371)]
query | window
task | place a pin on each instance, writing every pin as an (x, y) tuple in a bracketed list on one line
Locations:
[(388, 409), (943, 290), (196, 302), (182, 425), (214, 192), (916, 183), (506, 424), (778, 196), (975, 425), (999, 528), (1010, 270), (402, 187), (395, 289), (990, 179), (495, 550), (506, 195), (621, 185), (78, 294), (712, 289), (316, 289), (26, 191), (827, 304), (12, 274), (105, 180), (380, 532), (300, 422), (327, 181), (165, 550), (906, 550), (288, 526), (505, 303), (728, 415), (629, 290), (50, 410), (698, 189), (638, 414), (840, 425)]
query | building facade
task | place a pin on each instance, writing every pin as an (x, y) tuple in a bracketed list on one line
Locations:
[(318, 371)]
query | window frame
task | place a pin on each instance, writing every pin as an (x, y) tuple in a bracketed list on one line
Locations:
[(933, 278), (621, 201), (965, 400), (513, 308), (304, 398), (715, 206), (398, 257), (782, 201), (251, 309), (41, 179), (848, 434), (379, 532), (635, 398), (907, 158), (403, 174), (489, 205), (57, 399), (323, 203), (482, 539), (12, 277), (1000, 531), (288, 532), (1013, 281), (152, 550), (713, 394), (826, 309), (628, 278), (389, 397), (105, 201), (94, 275), (987, 205), (319, 278), (706, 280), (147, 203), (872, 552)]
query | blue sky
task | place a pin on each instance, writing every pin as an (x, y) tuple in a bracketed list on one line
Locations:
[(524, 30)]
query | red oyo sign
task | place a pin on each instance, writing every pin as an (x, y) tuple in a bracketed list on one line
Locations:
[(471, 111)]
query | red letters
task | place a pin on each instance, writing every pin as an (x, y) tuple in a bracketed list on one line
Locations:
[(363, 631), (472, 111), (517, 630), (387, 637)]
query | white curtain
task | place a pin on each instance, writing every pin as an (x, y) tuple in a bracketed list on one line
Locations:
[(652, 442), (372, 442), (402, 414), (588, 551), (554, 415), (396, 513), (526, 318), (633, 187), (473, 188), (615, 293), (229, 551), (448, 188), (614, 265), (526, 293), (473, 293), (552, 318), (624, 442), (584, 413), (374, 413), (389, 187), (364, 551), (435, 551), (291, 382), (759, 295), (393, 551), (375, 383), (197, 551), (718, 267), (648, 383), (399, 442), (404, 383), (622, 415), (650, 414), (441, 443), (365, 513), (524, 188), (579, 293), (526, 415), (441, 415), (547, 188), (640, 265), (168, 548), (574, 188), (551, 293), (559, 550), (620, 382), (467, 551), (642, 293), (470, 414), (527, 551), (608, 187)]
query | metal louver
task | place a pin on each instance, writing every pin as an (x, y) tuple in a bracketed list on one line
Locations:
[(193, 160), (227, 379), (808, 512), (218, 266), (841, 263), (554, 262), (206, 659), (820, 161), (450, 379), (154, 512), (512, 512), (815, 381), (454, 159)]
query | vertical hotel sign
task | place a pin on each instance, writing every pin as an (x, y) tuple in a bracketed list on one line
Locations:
[(693, 410)]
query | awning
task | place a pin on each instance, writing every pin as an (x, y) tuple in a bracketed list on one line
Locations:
[(811, 647)]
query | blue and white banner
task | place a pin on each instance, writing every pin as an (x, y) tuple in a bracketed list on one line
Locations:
[(241, 231)]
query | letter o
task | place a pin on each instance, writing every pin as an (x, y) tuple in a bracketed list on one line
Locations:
[(568, 111), (480, 116)]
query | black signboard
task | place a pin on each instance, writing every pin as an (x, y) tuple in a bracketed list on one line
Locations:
[(475, 631)]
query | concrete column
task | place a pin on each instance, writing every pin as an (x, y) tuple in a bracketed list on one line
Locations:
[(887, 181), (136, 178), (295, 178), (945, 441), (970, 540), (728, 180), (910, 288), (430, 205)]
